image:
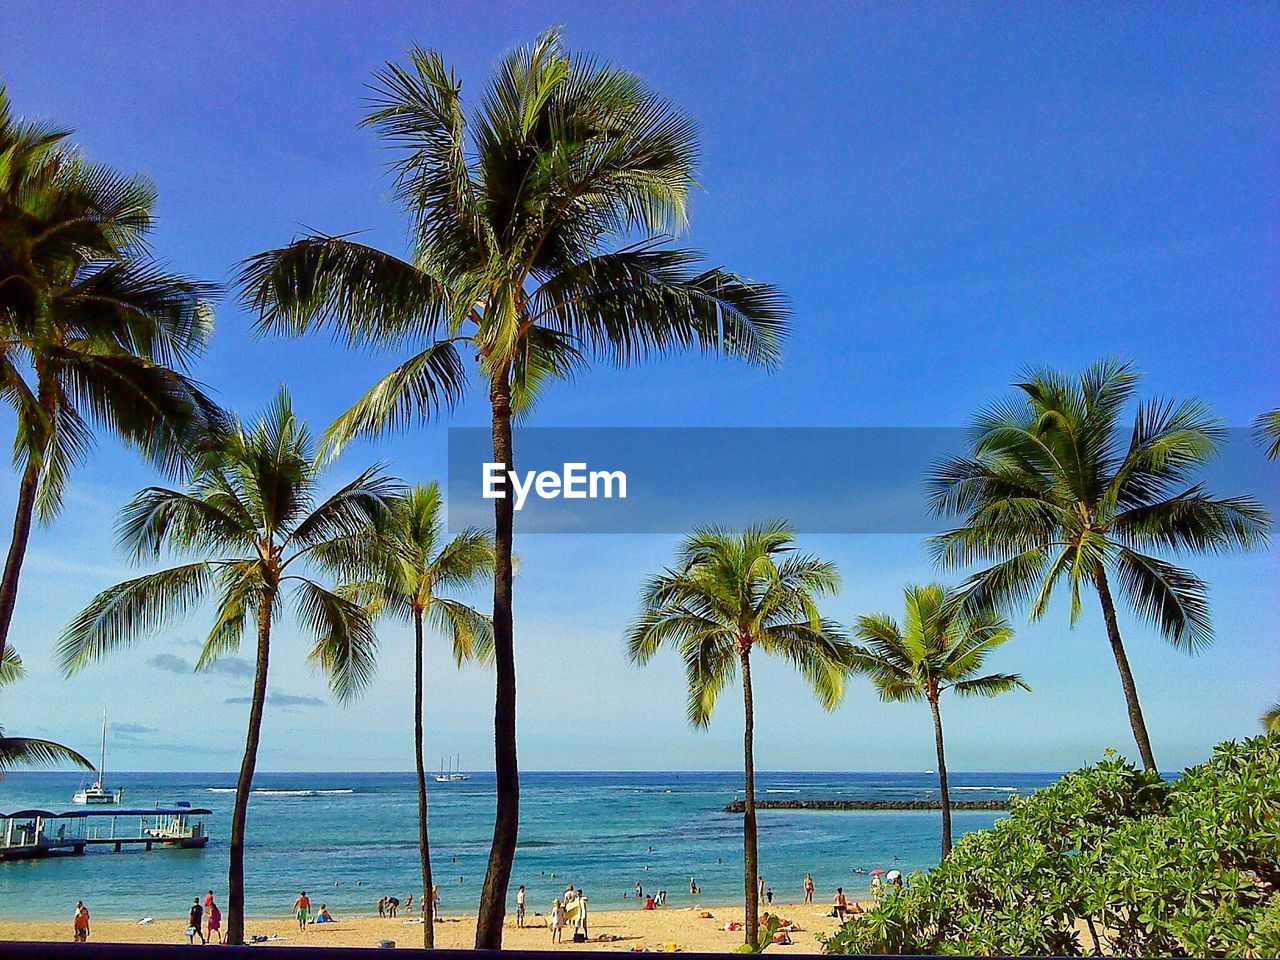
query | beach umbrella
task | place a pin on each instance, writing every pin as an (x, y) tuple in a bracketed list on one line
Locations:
[(876, 873)]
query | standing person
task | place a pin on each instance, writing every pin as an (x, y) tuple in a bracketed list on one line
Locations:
[(639, 891), (80, 923), (520, 906), (582, 917), (393, 905), (877, 887), (302, 907), (214, 917), (808, 888), (556, 921), (841, 904), (693, 887), (195, 922), (759, 887), (408, 902), (435, 901), (382, 906), (768, 895)]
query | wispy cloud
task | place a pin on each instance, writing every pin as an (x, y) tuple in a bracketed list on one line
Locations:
[(235, 667), (282, 700), (169, 663), (131, 729)]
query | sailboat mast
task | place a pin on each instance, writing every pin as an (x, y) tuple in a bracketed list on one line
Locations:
[(102, 761)]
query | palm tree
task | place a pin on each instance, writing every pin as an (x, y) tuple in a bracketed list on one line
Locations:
[(524, 218), (405, 573), (93, 330), (1267, 430), (727, 595), (1053, 490), (251, 521), (26, 751), (939, 647), (1271, 719)]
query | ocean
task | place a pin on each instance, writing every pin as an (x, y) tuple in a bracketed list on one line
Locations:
[(350, 838)]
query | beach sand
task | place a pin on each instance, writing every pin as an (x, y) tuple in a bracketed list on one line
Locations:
[(633, 929)]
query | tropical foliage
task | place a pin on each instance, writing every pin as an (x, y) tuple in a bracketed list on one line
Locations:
[(1054, 490), (406, 572), (537, 224), (939, 647), (29, 751), (93, 329), (252, 519), (1111, 860), (1267, 430), (727, 596)]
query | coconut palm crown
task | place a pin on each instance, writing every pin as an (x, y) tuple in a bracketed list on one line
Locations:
[(938, 647), (727, 596), (1055, 490), (538, 224), (256, 524)]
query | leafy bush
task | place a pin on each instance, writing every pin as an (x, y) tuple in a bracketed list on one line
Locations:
[(1108, 860)]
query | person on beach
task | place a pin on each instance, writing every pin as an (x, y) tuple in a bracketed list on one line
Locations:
[(808, 888), (435, 901), (759, 887), (408, 902), (393, 905), (556, 921), (520, 906), (382, 907), (302, 907), (768, 895), (214, 917), (195, 920), (581, 923), (877, 887), (693, 887), (80, 923), (841, 904), (323, 915)]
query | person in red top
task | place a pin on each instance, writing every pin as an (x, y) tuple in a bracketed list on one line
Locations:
[(80, 923), (214, 916)]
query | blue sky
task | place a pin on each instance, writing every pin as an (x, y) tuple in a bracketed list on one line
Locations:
[(946, 192)]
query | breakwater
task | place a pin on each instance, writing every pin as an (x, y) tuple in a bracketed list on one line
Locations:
[(738, 806)]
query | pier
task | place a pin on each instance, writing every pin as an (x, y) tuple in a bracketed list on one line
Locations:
[(39, 834)]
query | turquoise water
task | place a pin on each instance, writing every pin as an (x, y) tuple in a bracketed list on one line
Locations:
[(350, 838)]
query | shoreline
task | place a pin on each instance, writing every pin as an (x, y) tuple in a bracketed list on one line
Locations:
[(611, 929)]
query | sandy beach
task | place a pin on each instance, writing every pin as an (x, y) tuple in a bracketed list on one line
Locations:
[(610, 930)]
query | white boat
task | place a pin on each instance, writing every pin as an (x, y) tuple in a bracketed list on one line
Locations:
[(453, 775), (97, 793)]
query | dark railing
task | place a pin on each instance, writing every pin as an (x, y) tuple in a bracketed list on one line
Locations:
[(170, 951)]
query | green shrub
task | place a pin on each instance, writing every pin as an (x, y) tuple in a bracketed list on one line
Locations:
[(1108, 860)]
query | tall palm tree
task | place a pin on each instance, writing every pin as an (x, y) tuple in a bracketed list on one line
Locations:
[(93, 330), (939, 647), (728, 595), (26, 751), (1053, 490), (524, 221), (251, 519), (406, 572)]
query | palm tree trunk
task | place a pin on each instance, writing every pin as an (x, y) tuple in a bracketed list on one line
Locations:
[(424, 850), (493, 897), (1136, 720), (942, 777), (18, 547), (750, 854), (240, 813)]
